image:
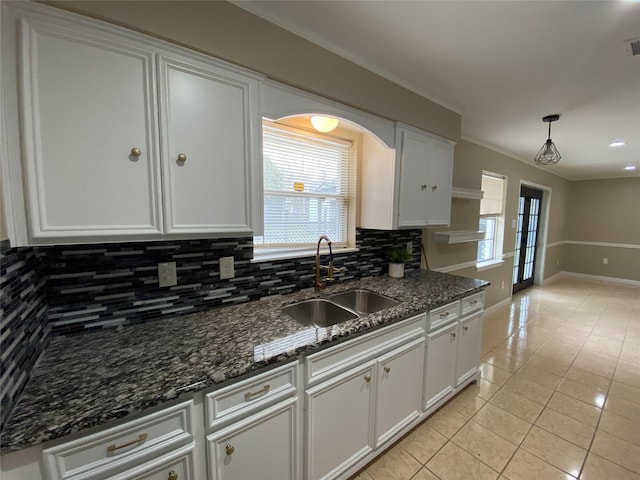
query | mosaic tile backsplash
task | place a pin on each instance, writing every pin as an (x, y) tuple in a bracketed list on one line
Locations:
[(66, 290), (24, 331)]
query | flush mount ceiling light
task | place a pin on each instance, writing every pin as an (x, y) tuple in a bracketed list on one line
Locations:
[(548, 154), (630, 168), (324, 124), (617, 143)]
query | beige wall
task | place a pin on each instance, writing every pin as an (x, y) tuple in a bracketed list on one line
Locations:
[(469, 162), (230, 33), (605, 213)]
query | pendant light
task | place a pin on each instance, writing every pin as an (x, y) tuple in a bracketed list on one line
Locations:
[(324, 124), (548, 153)]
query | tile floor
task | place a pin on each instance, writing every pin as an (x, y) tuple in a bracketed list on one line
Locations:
[(559, 396)]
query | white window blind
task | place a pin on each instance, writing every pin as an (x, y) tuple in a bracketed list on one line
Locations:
[(492, 202), (307, 183)]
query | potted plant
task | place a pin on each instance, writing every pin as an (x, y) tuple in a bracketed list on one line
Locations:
[(397, 258)]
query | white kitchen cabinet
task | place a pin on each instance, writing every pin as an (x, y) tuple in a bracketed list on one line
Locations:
[(442, 347), (411, 189), (124, 137), (399, 389), (469, 348), (340, 416), (207, 120), (89, 123), (263, 446), (426, 174)]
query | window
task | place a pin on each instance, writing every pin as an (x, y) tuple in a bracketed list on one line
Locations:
[(308, 190), (492, 218)]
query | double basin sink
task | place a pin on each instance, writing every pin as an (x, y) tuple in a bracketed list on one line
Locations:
[(338, 308)]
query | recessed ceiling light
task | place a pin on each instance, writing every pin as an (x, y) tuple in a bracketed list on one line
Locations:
[(630, 168), (617, 143)]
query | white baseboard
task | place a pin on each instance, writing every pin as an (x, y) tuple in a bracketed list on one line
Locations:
[(599, 278), (506, 301), (553, 277)]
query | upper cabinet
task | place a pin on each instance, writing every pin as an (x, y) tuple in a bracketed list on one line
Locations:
[(123, 137), (411, 189), (207, 143)]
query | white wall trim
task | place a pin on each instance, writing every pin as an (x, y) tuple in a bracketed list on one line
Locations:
[(594, 244), (505, 302), (555, 276), (508, 255), (603, 244), (600, 278), (453, 268)]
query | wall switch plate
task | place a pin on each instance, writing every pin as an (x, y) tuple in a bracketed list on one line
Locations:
[(167, 274), (227, 269), (605, 260), (410, 247), (513, 223)]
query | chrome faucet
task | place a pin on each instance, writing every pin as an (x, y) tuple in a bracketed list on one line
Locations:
[(320, 283)]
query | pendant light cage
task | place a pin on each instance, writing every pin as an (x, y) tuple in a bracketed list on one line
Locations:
[(548, 153)]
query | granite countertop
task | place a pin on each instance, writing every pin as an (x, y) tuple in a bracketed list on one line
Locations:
[(88, 380)]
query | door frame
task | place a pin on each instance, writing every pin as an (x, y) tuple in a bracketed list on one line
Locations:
[(541, 248)]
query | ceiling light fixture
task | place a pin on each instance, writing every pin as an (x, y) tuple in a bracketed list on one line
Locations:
[(617, 143), (548, 153), (630, 168), (324, 124)]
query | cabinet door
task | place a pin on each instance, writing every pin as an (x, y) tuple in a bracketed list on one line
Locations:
[(439, 184), (339, 422), (415, 151), (88, 100), (400, 376), (441, 364), (469, 348), (209, 123), (263, 446)]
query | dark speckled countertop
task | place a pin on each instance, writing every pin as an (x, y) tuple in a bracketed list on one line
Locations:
[(88, 380)]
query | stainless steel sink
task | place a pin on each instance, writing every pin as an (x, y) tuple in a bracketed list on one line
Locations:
[(318, 312), (363, 301)]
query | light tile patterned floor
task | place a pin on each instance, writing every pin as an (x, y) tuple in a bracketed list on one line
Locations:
[(559, 395)]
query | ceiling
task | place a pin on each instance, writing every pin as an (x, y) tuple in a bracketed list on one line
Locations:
[(502, 65)]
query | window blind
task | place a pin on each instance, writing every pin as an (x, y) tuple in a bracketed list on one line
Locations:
[(307, 181), (492, 201)]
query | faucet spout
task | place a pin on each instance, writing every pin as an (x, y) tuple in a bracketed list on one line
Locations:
[(320, 284)]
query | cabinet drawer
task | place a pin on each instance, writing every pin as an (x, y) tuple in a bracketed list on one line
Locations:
[(250, 395), (101, 454), (177, 465), (472, 303), (440, 316), (329, 362)]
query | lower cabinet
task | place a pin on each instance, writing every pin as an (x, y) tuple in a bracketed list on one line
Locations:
[(469, 348), (263, 446), (353, 413), (339, 421), (439, 380), (399, 389)]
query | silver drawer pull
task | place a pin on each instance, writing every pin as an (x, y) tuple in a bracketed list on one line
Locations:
[(264, 389), (444, 315), (141, 438), (473, 302), (453, 335), (465, 328)]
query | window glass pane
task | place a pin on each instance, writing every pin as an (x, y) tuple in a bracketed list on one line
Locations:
[(307, 178)]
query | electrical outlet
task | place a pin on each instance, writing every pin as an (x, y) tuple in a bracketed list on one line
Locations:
[(502, 285), (167, 274), (410, 247), (605, 261), (557, 263), (227, 269)]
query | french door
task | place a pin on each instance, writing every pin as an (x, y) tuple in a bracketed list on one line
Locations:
[(529, 209)]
